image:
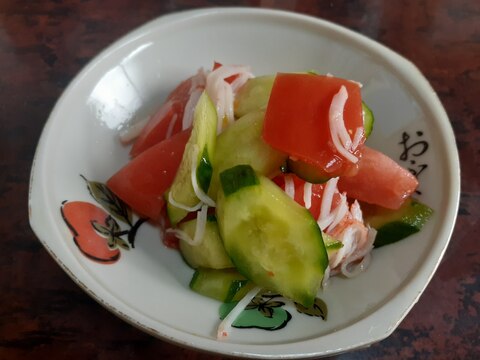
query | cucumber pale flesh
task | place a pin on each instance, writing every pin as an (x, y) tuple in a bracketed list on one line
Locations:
[(242, 143), (210, 253)]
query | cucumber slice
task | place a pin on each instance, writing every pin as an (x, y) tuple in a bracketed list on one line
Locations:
[(210, 253), (203, 139), (254, 95), (224, 285), (368, 119), (395, 225), (271, 239), (242, 143)]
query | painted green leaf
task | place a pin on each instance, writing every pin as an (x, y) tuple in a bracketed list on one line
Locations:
[(274, 304), (100, 229), (121, 243), (105, 197), (254, 318), (111, 242), (318, 309), (112, 225)]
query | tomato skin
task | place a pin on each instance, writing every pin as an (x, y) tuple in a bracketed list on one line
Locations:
[(297, 120), (379, 180), (157, 128), (143, 181)]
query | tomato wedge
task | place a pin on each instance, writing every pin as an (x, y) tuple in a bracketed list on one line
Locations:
[(167, 121), (379, 180), (143, 181), (297, 120)]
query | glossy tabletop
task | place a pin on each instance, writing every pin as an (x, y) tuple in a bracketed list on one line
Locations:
[(44, 315)]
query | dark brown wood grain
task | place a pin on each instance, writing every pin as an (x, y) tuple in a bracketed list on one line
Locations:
[(43, 44)]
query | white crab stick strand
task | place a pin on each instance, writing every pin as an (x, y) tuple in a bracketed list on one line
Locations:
[(199, 229), (171, 126), (356, 211), (289, 186), (196, 88), (327, 198), (357, 269), (340, 212), (324, 222), (326, 276), (347, 238), (307, 195), (357, 137), (187, 119), (199, 80), (365, 238), (340, 137), (226, 324), (175, 203), (222, 92)]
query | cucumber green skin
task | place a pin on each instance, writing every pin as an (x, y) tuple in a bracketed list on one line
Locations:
[(242, 143), (395, 225), (254, 95), (224, 285), (368, 119), (307, 172), (204, 136), (273, 241), (210, 253)]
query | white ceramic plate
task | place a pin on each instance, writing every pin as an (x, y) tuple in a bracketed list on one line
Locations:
[(148, 285)]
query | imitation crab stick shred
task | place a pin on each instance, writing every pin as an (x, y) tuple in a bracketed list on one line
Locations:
[(190, 108), (196, 88), (175, 203), (199, 229), (222, 93), (340, 212), (289, 186), (359, 134), (171, 126), (226, 324), (340, 137), (307, 195), (327, 198)]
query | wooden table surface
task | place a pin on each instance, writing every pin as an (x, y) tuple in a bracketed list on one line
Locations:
[(43, 44)]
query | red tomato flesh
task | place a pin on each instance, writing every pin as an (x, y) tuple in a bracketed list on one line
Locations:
[(157, 127), (297, 120), (144, 180), (379, 180)]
